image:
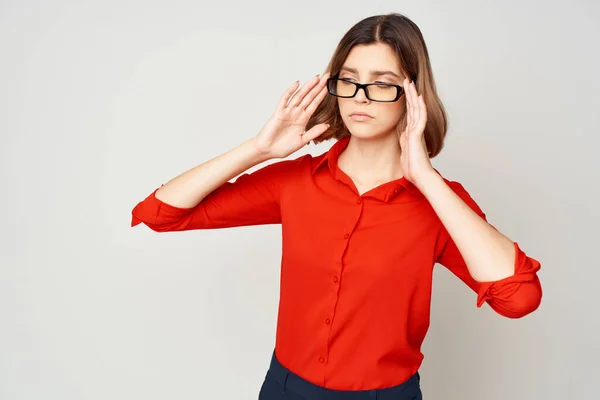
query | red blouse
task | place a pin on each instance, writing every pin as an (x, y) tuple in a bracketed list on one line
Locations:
[(356, 271)]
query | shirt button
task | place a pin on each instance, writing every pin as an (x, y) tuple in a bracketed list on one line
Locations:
[(359, 201), (321, 360), (327, 321), (346, 236), (335, 279)]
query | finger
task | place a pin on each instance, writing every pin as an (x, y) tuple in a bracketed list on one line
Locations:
[(423, 109), (425, 145), (417, 106), (316, 90), (413, 104), (316, 101), (286, 96), (314, 132), (408, 107), (411, 100), (297, 98)]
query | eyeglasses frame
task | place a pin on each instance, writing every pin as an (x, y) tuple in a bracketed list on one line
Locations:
[(364, 86)]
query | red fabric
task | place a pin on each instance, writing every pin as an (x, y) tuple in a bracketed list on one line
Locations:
[(356, 271)]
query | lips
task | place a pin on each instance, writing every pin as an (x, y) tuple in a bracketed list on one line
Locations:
[(356, 114), (360, 117)]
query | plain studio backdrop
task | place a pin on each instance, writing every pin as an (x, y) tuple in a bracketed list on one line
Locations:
[(103, 101)]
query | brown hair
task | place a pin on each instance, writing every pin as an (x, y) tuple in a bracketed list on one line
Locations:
[(405, 38)]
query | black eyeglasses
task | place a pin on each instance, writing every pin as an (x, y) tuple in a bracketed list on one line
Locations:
[(382, 92)]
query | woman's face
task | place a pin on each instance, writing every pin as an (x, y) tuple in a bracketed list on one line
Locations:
[(371, 63)]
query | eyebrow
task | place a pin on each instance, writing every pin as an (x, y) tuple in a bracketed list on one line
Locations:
[(373, 72)]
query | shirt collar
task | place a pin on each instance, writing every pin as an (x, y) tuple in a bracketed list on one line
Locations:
[(331, 156), (384, 192)]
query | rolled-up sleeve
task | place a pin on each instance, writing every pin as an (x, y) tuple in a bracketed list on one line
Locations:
[(514, 296), (252, 199)]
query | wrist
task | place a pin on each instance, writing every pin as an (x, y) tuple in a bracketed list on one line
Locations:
[(427, 180), (255, 152)]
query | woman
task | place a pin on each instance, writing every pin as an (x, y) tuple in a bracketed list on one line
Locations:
[(362, 224)]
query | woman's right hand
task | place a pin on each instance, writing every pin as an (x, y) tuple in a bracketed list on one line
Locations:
[(284, 133)]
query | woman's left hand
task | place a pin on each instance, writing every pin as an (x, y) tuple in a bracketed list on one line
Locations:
[(414, 159)]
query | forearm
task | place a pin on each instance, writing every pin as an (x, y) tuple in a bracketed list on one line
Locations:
[(191, 187), (488, 254)]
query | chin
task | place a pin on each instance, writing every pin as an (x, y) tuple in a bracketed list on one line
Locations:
[(365, 132)]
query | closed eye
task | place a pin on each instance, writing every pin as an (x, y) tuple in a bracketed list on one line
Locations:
[(376, 82)]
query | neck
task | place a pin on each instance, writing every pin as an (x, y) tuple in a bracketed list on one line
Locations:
[(372, 160)]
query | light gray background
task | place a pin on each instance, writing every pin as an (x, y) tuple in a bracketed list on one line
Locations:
[(102, 101)]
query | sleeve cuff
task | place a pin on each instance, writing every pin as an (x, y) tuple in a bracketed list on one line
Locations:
[(153, 211), (505, 290)]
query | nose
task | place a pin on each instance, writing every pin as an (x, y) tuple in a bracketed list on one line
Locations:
[(361, 96)]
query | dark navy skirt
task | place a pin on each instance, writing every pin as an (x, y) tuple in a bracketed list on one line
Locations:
[(282, 384)]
